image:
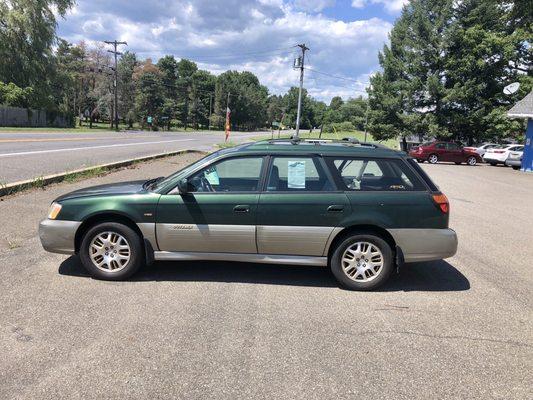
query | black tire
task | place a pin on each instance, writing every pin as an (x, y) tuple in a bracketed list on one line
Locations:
[(472, 161), (134, 241), (516, 167), (351, 284), (433, 159), (420, 160), (457, 163)]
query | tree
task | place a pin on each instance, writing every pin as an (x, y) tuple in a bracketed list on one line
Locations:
[(445, 68), (186, 69), (126, 86), (27, 34), (149, 99), (248, 100)]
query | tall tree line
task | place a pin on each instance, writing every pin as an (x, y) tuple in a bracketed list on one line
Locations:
[(445, 68)]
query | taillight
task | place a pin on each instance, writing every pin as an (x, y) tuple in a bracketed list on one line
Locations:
[(442, 202)]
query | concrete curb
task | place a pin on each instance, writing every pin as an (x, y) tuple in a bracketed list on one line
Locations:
[(16, 187)]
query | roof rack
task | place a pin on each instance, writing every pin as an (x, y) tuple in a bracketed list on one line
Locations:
[(319, 141)]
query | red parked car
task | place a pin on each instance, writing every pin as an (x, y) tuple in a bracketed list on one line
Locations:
[(434, 152)]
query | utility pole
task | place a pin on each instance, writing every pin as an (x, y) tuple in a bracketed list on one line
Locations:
[(301, 66), (115, 43)]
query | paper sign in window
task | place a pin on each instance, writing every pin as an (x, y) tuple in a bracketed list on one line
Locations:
[(212, 176), (296, 175)]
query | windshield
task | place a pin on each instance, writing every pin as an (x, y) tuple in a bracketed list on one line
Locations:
[(163, 182)]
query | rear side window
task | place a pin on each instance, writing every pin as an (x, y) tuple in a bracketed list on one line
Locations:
[(297, 174), (423, 175), (373, 175)]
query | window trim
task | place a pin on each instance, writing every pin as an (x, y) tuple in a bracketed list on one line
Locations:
[(319, 159), (260, 182), (340, 183)]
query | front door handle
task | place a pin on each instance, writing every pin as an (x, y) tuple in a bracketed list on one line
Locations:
[(336, 208), (241, 208)]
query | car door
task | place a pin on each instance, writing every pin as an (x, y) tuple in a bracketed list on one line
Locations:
[(454, 153), (218, 212), (299, 207), (442, 153)]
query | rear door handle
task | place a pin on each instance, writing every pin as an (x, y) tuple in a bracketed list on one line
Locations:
[(241, 208), (336, 208)]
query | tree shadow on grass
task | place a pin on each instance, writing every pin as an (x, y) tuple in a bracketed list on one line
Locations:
[(439, 276)]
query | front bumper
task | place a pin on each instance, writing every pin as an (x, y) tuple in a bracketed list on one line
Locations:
[(425, 244), (58, 236)]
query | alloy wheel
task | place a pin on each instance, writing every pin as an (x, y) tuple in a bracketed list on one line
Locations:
[(362, 262), (471, 160), (109, 251), (433, 159)]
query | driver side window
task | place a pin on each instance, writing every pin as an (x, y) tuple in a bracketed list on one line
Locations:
[(240, 174)]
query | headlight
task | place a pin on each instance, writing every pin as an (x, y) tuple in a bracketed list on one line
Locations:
[(54, 210)]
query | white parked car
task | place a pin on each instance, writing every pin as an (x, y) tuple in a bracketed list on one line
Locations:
[(499, 155), (515, 159), (481, 148)]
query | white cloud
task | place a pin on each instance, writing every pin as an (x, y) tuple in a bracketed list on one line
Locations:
[(313, 5), (254, 35), (392, 6)]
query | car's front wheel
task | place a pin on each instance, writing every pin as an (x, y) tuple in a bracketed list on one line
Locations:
[(111, 251), (362, 262)]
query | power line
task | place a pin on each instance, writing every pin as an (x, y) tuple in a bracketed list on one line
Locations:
[(337, 76)]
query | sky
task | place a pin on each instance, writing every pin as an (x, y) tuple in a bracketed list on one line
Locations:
[(344, 36)]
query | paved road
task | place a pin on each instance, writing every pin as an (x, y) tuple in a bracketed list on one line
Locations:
[(457, 329), (28, 155)]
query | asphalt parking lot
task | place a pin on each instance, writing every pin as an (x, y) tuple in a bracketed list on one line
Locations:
[(459, 328)]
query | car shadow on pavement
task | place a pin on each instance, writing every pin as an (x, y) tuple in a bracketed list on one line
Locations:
[(428, 276)]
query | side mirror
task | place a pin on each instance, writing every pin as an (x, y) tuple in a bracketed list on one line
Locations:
[(183, 186)]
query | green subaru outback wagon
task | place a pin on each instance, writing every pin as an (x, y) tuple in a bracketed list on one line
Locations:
[(360, 209)]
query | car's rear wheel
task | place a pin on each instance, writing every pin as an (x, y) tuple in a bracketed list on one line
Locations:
[(516, 167), (362, 262), (471, 161), (111, 251), (433, 159)]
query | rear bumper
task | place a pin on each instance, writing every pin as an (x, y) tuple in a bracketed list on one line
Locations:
[(513, 162), (492, 158), (58, 236), (425, 244)]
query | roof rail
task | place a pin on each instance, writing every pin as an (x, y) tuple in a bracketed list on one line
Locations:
[(318, 141)]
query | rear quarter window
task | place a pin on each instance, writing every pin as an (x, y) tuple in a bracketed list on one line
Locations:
[(363, 174)]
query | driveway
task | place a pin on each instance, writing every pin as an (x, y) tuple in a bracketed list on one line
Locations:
[(460, 328)]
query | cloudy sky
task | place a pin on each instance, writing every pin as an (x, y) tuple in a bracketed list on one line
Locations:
[(256, 35)]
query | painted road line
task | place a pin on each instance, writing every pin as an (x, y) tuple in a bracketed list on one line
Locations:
[(28, 153), (68, 139)]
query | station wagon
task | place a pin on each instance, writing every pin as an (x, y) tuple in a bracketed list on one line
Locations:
[(360, 209)]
